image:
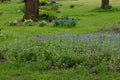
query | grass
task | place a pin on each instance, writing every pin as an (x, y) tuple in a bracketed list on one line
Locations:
[(70, 74), (90, 20)]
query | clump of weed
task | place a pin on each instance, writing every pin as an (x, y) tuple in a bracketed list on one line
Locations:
[(13, 23), (42, 23), (28, 22)]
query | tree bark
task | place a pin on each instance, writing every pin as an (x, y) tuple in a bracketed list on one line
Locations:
[(105, 3), (31, 10)]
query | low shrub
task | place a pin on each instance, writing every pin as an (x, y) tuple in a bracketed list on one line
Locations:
[(65, 21), (43, 2), (47, 15)]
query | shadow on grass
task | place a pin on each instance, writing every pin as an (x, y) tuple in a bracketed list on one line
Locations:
[(106, 10), (1, 13)]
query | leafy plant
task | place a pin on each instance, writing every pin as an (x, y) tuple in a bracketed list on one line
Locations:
[(3, 51), (2, 36), (43, 2), (65, 21), (13, 23), (47, 15), (42, 23), (28, 22)]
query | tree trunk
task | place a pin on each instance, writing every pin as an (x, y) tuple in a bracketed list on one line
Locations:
[(105, 3), (31, 9)]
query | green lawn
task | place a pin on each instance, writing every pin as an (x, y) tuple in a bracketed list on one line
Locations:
[(89, 21), (9, 72)]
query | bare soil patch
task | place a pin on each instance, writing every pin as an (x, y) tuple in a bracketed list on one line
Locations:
[(115, 28)]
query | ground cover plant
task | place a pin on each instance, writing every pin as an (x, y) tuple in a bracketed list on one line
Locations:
[(50, 48), (70, 40), (69, 51)]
